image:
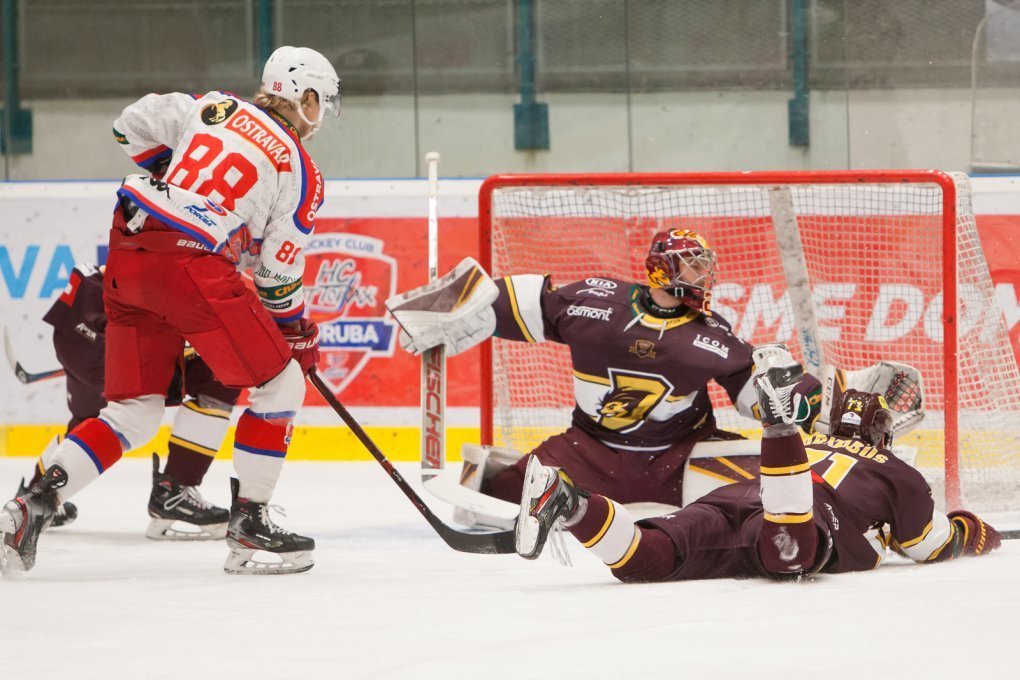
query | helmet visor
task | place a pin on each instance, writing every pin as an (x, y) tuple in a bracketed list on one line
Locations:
[(330, 104)]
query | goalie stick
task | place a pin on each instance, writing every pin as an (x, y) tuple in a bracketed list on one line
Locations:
[(19, 371), (433, 361), (497, 543)]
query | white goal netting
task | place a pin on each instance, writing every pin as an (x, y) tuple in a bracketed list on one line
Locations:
[(874, 247)]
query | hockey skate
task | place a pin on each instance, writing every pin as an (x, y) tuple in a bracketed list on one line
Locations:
[(23, 519), (251, 531), (548, 497), (776, 373), (179, 513), (66, 512)]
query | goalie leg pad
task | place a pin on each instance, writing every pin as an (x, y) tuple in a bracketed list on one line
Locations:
[(481, 463)]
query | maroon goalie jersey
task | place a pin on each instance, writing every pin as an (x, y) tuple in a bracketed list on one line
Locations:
[(863, 497), (640, 381)]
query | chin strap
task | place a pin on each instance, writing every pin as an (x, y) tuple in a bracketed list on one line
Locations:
[(315, 125)]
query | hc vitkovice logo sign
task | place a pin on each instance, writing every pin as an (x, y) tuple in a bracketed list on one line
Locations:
[(347, 280)]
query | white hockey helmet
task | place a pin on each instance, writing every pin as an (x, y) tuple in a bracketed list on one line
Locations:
[(291, 71)]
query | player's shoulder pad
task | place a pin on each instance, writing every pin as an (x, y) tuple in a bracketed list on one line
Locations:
[(598, 288)]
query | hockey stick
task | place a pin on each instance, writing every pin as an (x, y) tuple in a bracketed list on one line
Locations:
[(498, 543), (433, 361), (19, 371), (791, 252)]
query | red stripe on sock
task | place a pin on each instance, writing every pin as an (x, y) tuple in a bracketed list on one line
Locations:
[(102, 441), (265, 434)]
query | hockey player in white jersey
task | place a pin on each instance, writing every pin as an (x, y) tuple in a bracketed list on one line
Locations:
[(239, 191)]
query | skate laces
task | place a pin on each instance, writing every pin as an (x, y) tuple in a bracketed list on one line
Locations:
[(780, 403), (189, 494), (275, 528), (558, 545)]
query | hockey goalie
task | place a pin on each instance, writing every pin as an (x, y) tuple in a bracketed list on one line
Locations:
[(642, 356)]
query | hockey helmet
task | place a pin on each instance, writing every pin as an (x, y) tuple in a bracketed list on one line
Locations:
[(862, 414), (291, 71), (681, 263)]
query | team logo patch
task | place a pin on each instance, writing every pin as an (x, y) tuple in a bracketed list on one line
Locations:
[(347, 280), (712, 345), (644, 349), (215, 208), (214, 114)]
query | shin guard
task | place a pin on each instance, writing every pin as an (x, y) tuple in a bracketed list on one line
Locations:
[(260, 446), (788, 543), (87, 452)]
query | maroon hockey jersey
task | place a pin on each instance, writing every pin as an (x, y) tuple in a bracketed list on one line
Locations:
[(863, 497), (640, 381), (79, 324)]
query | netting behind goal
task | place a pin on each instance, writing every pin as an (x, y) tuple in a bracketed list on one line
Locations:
[(876, 247)]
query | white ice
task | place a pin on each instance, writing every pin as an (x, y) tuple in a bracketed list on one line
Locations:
[(388, 599)]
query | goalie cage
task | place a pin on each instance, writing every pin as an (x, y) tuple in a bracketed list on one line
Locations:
[(879, 248)]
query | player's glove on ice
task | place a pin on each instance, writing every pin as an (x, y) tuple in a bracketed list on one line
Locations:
[(976, 536), (303, 338)]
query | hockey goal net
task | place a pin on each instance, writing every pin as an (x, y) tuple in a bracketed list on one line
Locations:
[(893, 262)]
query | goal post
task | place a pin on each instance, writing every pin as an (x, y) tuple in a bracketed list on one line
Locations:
[(894, 268)]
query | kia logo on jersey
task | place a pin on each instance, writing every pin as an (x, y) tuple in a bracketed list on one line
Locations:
[(601, 283), (347, 280)]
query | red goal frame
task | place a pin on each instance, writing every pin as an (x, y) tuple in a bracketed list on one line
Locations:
[(949, 260)]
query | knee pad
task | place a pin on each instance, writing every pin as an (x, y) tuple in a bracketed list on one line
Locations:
[(135, 421), (284, 393)]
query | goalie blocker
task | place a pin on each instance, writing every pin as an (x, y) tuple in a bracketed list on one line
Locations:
[(455, 311)]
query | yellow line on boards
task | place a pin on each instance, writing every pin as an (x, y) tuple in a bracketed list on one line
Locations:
[(400, 444)]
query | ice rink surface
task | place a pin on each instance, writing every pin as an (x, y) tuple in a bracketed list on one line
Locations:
[(388, 599)]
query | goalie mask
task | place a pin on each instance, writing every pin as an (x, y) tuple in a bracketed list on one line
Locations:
[(864, 415), (681, 263)]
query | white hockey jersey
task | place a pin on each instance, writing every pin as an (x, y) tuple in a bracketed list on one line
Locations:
[(239, 183)]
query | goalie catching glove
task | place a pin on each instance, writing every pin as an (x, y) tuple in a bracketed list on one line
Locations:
[(455, 310), (899, 384)]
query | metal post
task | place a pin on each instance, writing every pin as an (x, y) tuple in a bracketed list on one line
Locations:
[(265, 37), (17, 122), (800, 126), (531, 118)]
